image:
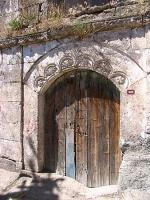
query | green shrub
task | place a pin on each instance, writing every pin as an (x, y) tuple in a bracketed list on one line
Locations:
[(15, 24)]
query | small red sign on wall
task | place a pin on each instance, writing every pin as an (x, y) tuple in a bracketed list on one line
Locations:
[(130, 92)]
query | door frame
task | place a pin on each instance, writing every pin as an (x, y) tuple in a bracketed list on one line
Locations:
[(69, 74), (57, 61)]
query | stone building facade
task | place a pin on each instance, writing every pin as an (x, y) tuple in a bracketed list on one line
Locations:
[(116, 44)]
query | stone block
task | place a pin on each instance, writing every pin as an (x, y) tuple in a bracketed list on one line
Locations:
[(120, 39), (10, 120), (33, 52), (31, 56), (10, 150), (31, 127), (30, 106), (135, 169), (10, 68), (138, 40), (8, 6), (27, 66), (147, 36), (10, 92), (147, 57), (52, 44), (140, 56), (10, 73), (10, 131), (11, 56), (30, 153), (10, 165)]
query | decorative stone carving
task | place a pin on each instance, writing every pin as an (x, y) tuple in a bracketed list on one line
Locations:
[(74, 61), (84, 61), (119, 78), (39, 81), (103, 66), (80, 60), (50, 70), (66, 61)]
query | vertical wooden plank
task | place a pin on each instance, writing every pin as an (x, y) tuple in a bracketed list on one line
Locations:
[(70, 117), (105, 133), (117, 120), (82, 117), (60, 120), (93, 131), (50, 139), (114, 135), (70, 160), (81, 128)]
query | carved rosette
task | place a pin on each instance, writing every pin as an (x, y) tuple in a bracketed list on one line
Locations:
[(103, 66), (39, 81), (120, 78), (84, 61), (50, 70), (67, 61)]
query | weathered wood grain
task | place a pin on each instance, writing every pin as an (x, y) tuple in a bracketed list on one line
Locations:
[(82, 128)]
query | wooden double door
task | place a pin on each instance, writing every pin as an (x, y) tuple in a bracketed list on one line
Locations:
[(82, 128)]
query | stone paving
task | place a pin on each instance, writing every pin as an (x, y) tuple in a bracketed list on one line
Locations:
[(54, 187), (7, 178)]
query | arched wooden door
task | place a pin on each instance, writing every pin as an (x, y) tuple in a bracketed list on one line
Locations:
[(82, 128)]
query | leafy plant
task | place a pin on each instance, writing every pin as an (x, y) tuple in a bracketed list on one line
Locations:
[(15, 24)]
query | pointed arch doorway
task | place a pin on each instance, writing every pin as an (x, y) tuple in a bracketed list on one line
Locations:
[(82, 128)]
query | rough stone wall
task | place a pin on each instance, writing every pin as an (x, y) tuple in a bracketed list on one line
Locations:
[(31, 13), (16, 9), (133, 61), (8, 10), (127, 51), (10, 108), (27, 71)]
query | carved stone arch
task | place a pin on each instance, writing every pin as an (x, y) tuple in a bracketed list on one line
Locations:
[(99, 58), (113, 64)]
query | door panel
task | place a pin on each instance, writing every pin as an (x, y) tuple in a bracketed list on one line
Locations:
[(114, 133), (70, 118), (93, 131), (60, 119), (81, 128), (82, 117)]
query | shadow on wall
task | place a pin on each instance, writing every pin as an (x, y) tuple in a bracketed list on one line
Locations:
[(27, 188)]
